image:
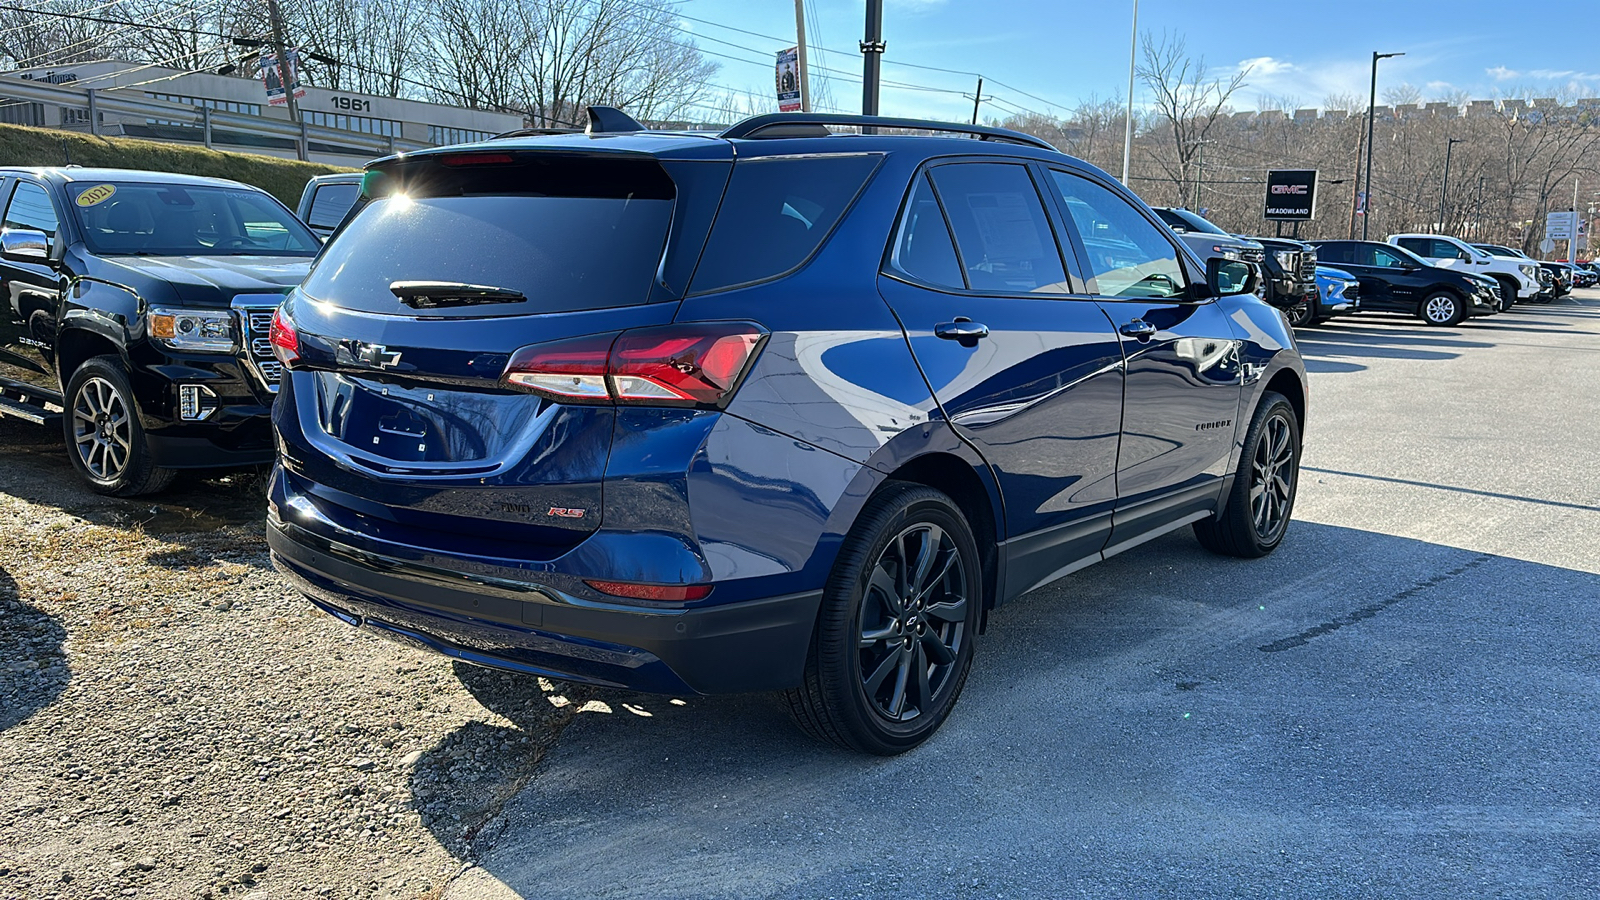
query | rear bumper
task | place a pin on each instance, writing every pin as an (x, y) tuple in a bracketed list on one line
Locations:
[(529, 627)]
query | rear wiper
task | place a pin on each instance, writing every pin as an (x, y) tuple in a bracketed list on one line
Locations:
[(434, 294)]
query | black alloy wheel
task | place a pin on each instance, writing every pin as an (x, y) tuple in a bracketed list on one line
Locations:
[(1260, 504), (1301, 314), (893, 641)]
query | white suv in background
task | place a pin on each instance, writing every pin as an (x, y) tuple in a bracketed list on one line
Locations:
[(1518, 278)]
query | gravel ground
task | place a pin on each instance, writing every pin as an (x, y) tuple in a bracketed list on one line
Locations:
[(176, 723)]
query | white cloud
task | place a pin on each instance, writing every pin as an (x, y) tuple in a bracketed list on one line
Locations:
[(1265, 66), (1501, 73)]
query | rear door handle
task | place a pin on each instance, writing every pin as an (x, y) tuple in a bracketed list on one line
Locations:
[(963, 329), (1139, 329)]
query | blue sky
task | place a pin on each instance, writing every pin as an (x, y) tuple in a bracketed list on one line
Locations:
[(1050, 53)]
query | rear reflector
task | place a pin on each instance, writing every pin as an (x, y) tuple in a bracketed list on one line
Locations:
[(283, 338), (697, 365), (665, 592)]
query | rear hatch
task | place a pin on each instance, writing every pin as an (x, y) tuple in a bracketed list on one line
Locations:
[(396, 411)]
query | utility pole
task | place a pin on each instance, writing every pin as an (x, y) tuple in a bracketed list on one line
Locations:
[(1372, 109), (1572, 242), (872, 61), (1127, 129), (1355, 182), (280, 46), (800, 42), (1445, 190), (977, 99)]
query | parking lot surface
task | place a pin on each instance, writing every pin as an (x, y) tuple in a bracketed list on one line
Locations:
[(1403, 701)]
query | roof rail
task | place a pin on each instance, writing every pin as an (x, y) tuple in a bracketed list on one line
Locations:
[(775, 125)]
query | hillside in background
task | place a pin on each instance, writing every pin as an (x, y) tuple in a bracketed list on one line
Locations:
[(282, 178)]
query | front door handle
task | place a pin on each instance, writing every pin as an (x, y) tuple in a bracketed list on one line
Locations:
[(1138, 328), (963, 330)]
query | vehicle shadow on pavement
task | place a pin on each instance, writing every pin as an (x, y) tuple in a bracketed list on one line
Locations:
[(33, 665), (206, 514), (1168, 723)]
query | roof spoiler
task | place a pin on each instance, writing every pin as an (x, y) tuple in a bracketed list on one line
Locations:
[(783, 125)]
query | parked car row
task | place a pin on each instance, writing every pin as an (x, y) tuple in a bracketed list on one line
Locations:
[(772, 409), (1440, 279)]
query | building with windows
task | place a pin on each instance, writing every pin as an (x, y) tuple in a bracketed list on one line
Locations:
[(394, 124)]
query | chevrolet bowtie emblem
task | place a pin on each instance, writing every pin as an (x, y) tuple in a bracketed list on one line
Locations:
[(373, 356)]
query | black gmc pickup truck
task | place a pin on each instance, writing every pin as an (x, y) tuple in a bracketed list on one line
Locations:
[(137, 306)]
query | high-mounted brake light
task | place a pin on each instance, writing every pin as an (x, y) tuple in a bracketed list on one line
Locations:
[(476, 159), (285, 342), (674, 365), (663, 592)]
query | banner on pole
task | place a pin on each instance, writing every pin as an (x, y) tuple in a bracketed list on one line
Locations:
[(788, 74), (272, 78)]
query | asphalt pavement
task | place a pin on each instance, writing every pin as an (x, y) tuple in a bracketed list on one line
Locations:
[(1403, 701)]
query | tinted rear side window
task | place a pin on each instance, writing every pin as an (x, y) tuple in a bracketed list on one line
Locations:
[(775, 214), (330, 203), (924, 249), (1002, 234), (569, 234)]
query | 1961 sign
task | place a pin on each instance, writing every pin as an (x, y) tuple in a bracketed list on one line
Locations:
[(1291, 195)]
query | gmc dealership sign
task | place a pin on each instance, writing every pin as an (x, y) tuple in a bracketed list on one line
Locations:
[(1292, 195)]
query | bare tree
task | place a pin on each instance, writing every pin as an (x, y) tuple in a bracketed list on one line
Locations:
[(1188, 101)]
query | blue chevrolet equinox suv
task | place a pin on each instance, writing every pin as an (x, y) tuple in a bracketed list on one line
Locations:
[(771, 409)]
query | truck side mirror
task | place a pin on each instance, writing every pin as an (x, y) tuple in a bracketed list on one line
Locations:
[(25, 245)]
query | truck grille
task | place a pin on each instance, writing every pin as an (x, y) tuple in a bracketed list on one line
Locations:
[(255, 319), (1308, 265), (1254, 256)]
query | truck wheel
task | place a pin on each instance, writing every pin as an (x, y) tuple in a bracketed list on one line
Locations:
[(1442, 308), (1301, 315), (893, 642), (1255, 516), (1508, 293), (104, 437)]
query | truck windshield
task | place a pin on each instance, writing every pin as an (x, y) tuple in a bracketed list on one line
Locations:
[(1182, 218), (142, 219)]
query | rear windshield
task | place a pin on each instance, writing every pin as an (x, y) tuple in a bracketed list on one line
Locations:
[(775, 214), (568, 234), (143, 219)]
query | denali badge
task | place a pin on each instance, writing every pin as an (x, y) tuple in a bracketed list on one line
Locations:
[(373, 356)]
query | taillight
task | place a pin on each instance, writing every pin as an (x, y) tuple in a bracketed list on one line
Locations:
[(673, 365), (285, 342)]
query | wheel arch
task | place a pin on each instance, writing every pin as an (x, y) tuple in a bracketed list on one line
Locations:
[(1287, 382), (75, 346), (978, 499)]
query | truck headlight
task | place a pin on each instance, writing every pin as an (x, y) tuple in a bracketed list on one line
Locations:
[(203, 330), (1530, 271), (1286, 258), (1226, 252)]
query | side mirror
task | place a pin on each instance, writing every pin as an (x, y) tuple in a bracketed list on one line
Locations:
[(1228, 277), (25, 245)]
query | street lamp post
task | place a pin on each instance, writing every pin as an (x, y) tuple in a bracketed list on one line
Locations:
[(1372, 104), (1445, 190)]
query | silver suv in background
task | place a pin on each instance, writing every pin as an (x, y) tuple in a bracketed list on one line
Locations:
[(1206, 239), (1518, 278)]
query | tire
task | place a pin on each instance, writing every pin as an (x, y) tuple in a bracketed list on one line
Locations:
[(861, 690), (105, 439), (1442, 308), (1251, 526), (1300, 316), (1508, 293)]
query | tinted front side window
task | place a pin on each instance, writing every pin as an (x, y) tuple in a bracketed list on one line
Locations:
[(330, 203), (1002, 235), (30, 209), (1419, 246), (923, 248), (775, 214), (1334, 253), (1387, 260), (1127, 255)]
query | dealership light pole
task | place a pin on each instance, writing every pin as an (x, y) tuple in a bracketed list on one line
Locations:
[(872, 59), (1127, 131), (1372, 104), (1445, 190)]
